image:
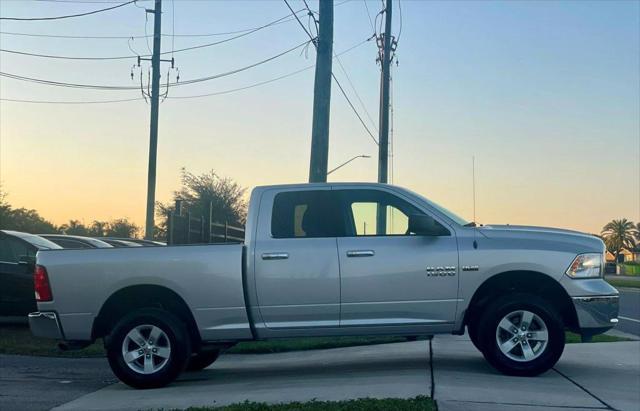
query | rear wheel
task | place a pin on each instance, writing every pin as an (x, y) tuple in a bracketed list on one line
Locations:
[(521, 334), (202, 360), (148, 348)]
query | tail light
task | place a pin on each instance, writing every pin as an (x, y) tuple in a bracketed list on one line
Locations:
[(41, 284)]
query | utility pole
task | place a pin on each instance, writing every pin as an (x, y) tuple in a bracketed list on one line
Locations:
[(153, 129), (322, 95), (385, 76)]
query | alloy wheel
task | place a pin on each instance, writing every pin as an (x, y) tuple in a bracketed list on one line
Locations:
[(522, 336), (146, 349)]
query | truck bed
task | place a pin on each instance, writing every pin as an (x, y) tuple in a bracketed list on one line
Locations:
[(209, 277)]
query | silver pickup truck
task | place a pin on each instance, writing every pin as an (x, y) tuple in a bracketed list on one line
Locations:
[(329, 260)]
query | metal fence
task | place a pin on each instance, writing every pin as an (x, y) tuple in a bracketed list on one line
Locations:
[(185, 228)]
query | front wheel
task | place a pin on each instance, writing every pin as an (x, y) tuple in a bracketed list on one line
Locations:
[(148, 348), (472, 330), (202, 360), (521, 334)]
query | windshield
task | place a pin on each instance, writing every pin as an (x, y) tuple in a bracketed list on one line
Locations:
[(451, 215)]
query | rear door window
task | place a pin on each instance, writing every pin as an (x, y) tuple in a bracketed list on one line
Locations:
[(306, 214)]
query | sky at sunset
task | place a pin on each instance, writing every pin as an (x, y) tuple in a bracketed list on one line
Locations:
[(544, 94)]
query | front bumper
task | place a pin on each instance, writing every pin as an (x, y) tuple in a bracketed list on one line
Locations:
[(45, 324), (596, 313)]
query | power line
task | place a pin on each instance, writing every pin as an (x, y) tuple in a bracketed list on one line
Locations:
[(200, 46), (334, 76), (353, 87), (300, 22), (257, 84), (62, 36), (83, 1), (369, 15), (70, 102), (67, 16), (261, 83), (400, 29), (176, 84)]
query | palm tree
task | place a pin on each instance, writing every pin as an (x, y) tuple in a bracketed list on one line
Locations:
[(619, 234), (637, 234)]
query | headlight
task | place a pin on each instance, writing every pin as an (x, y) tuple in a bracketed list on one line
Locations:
[(586, 266)]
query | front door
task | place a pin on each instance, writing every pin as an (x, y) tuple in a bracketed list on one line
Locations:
[(296, 262), (390, 276)]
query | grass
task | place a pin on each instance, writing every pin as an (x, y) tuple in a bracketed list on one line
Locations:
[(18, 340), (301, 344), (621, 282), (15, 339), (573, 338), (420, 403)]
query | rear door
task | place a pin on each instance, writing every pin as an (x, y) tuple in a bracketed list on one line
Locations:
[(390, 276), (296, 261)]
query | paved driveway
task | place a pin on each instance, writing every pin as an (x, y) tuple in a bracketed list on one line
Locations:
[(629, 311), (602, 376)]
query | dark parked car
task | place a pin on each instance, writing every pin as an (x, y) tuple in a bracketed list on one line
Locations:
[(76, 241), (17, 260)]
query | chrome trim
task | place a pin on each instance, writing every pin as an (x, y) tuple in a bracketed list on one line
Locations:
[(275, 256), (600, 311), (441, 271), (596, 297), (470, 268), (360, 253), (45, 324)]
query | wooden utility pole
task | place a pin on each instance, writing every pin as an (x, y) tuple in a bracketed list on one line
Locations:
[(153, 130), (322, 95), (385, 76)]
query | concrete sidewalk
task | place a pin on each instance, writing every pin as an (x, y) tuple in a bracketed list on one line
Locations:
[(588, 377), (380, 371)]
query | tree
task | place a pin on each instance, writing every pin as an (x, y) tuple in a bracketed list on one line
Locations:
[(637, 234), (23, 219), (74, 227), (122, 227), (197, 191), (618, 234), (98, 228)]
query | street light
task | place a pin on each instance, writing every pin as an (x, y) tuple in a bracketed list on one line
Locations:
[(347, 162)]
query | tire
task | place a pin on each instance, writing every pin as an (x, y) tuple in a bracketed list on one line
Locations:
[(202, 360), (161, 361), (473, 336), (521, 352)]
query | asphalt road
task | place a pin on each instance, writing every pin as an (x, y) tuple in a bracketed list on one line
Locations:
[(41, 383), (629, 317)]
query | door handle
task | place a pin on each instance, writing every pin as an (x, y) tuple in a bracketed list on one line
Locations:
[(275, 256), (360, 253)]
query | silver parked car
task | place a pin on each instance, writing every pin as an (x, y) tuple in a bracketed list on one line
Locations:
[(75, 241), (330, 260)]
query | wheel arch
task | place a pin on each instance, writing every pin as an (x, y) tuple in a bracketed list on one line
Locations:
[(139, 296), (516, 281)]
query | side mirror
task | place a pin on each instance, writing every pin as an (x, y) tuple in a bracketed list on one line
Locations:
[(27, 260), (422, 224)]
